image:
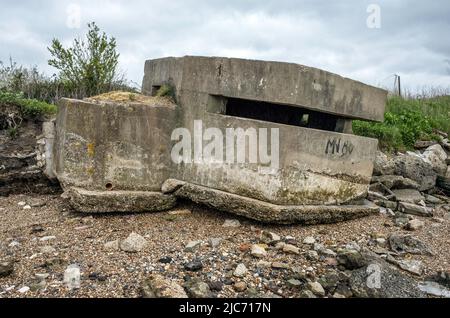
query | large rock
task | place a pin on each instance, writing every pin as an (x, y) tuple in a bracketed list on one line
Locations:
[(414, 167), (403, 244), (156, 286), (434, 289), (436, 156), (396, 182), (381, 280), (383, 165), (412, 266), (408, 196), (414, 209)]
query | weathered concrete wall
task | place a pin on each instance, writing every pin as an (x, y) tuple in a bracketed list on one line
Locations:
[(113, 146)]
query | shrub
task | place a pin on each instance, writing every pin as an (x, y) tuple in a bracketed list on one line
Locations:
[(408, 120), (90, 64)]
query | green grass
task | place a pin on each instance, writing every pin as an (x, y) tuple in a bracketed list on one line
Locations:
[(408, 120), (30, 108)]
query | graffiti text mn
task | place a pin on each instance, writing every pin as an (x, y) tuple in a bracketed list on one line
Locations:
[(336, 146)]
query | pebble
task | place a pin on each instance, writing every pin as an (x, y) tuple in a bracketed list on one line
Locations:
[(316, 288), (263, 264), (216, 286), (24, 289), (192, 246), (240, 270), (309, 240), (48, 250), (72, 277), (280, 245), (231, 223), (42, 276), (37, 203), (330, 261), (165, 260), (279, 265), (197, 289), (381, 241), (14, 244), (214, 242), (294, 283), (157, 286), (270, 237), (21, 203), (47, 238), (27, 207), (112, 245), (291, 249), (194, 266), (323, 251), (415, 225), (133, 243), (307, 294), (181, 212), (312, 255), (240, 286), (353, 246), (258, 251)]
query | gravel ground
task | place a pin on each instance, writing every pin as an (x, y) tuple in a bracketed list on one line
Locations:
[(79, 239)]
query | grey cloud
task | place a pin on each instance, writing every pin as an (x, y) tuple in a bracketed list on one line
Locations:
[(332, 35)]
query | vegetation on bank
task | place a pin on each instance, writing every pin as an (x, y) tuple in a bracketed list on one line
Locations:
[(14, 108), (29, 108), (408, 120), (89, 67)]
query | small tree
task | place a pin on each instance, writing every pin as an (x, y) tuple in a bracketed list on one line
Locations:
[(90, 65)]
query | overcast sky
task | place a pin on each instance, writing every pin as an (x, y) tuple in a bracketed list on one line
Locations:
[(411, 39)]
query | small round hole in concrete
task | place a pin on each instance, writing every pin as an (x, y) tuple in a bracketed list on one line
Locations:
[(109, 186)]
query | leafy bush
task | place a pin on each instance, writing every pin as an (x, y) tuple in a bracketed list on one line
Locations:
[(408, 120), (29, 108), (90, 64), (35, 85)]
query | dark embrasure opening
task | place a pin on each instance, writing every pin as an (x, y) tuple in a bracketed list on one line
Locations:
[(279, 113)]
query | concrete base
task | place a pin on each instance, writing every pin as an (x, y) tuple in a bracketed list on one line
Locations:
[(118, 201), (267, 212)]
